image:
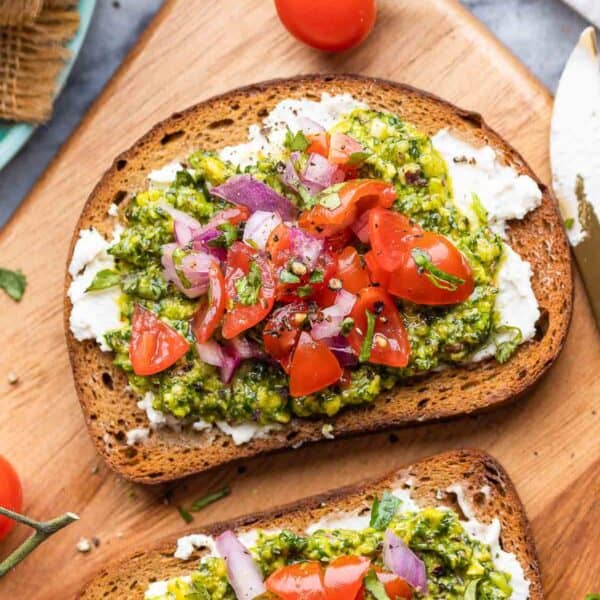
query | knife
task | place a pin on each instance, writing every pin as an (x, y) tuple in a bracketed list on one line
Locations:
[(575, 159)]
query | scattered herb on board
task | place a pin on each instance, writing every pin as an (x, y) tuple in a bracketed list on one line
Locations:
[(209, 499), (13, 283), (185, 515)]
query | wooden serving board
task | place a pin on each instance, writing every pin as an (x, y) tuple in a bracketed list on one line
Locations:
[(194, 49)]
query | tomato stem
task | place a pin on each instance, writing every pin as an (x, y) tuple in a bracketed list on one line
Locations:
[(43, 530)]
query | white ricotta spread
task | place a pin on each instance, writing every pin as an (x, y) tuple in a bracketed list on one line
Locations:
[(162, 178), (135, 436), (575, 132), (355, 521), (92, 313), (268, 139), (245, 432)]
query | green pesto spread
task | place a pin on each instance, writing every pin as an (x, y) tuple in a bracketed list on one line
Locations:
[(456, 563), (396, 153)]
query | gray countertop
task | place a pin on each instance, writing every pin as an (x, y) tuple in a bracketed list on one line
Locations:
[(540, 32)]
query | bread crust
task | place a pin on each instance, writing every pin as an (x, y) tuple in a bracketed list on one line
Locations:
[(110, 410), (129, 577)]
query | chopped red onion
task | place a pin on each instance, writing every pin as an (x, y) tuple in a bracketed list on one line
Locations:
[(194, 267), (342, 350), (246, 191), (402, 561), (242, 572), (245, 348), (361, 227), (328, 322), (229, 356), (319, 174), (259, 227), (185, 226), (211, 353), (198, 287), (306, 247), (308, 126), (202, 242)]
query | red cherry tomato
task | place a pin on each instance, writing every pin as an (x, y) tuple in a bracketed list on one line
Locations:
[(342, 147), (344, 577), (351, 271), (313, 367), (154, 345), (376, 273), (240, 315), (301, 581), (390, 345), (11, 495), (354, 197), (334, 25), (319, 144), (211, 312), (282, 331), (338, 241)]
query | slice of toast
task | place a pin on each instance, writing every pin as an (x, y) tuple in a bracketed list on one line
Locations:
[(110, 409), (485, 484)]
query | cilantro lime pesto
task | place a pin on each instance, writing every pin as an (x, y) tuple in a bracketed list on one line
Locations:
[(440, 559), (251, 265)]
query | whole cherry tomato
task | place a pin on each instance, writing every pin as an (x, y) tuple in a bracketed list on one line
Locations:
[(11, 495)]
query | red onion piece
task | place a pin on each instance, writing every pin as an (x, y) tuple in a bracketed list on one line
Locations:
[(342, 350), (308, 126), (402, 561), (361, 227), (319, 174), (228, 357), (202, 242), (242, 572), (246, 191), (245, 348), (306, 247), (194, 267), (329, 320), (185, 226), (211, 353), (170, 274), (259, 227)]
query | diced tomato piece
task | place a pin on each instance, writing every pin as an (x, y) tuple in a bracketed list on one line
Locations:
[(240, 315), (300, 581), (389, 344), (377, 274), (319, 144), (212, 310), (154, 345), (282, 331), (344, 577), (338, 241), (342, 147), (395, 587), (343, 207), (314, 367), (351, 271)]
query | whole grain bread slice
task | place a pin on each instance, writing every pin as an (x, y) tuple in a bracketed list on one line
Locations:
[(485, 484), (110, 409)]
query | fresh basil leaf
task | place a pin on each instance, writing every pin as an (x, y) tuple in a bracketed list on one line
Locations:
[(471, 590), (375, 587), (357, 158), (13, 283), (248, 287), (316, 277), (296, 142), (367, 344), (383, 510), (439, 278), (209, 499), (103, 280), (185, 515), (288, 277)]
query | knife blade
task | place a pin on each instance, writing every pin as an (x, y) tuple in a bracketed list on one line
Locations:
[(575, 159)]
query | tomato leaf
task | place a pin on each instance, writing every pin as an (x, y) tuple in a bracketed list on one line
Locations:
[(383, 510), (439, 278), (375, 587), (365, 349), (248, 287), (13, 283), (209, 499), (103, 280)]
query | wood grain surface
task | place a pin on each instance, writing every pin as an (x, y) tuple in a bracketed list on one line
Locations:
[(547, 441)]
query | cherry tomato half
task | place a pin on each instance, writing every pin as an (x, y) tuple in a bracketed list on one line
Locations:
[(314, 367), (332, 25), (344, 577), (211, 311), (376, 273), (11, 495), (353, 198), (390, 345), (154, 345), (301, 581), (246, 268), (351, 271), (395, 587), (282, 331)]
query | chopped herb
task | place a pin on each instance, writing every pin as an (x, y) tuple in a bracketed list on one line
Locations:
[(103, 280), (569, 223), (185, 515), (184, 178), (365, 349), (330, 200), (375, 587), (347, 325), (308, 200), (297, 142), (228, 235), (479, 209), (304, 290), (439, 278), (471, 590), (316, 277), (383, 510), (504, 350), (288, 277), (357, 158), (209, 499), (13, 283), (248, 287)]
